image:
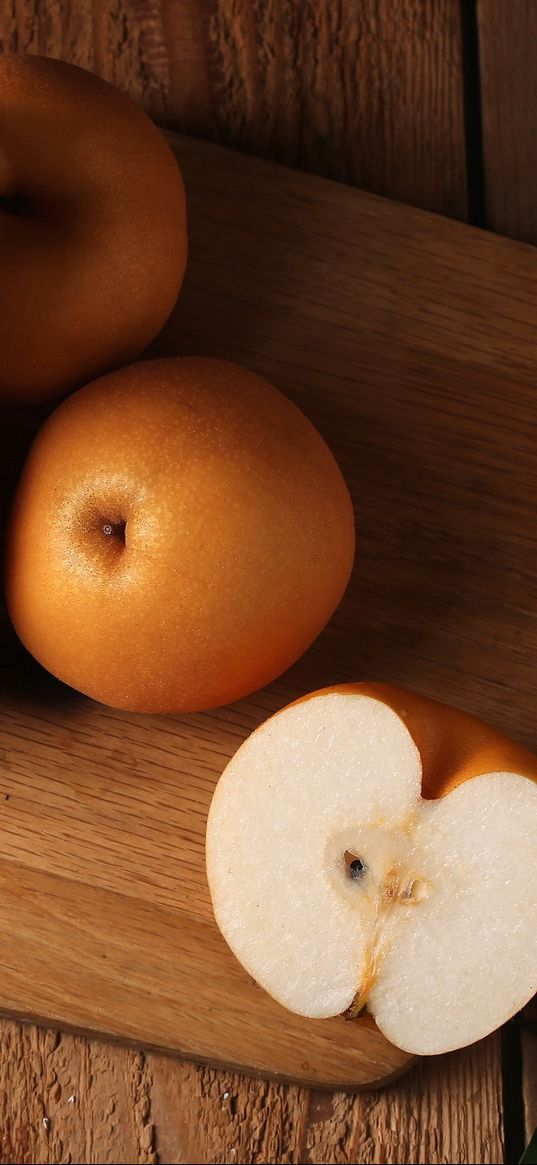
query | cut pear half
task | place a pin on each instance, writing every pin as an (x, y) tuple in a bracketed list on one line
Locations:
[(339, 886)]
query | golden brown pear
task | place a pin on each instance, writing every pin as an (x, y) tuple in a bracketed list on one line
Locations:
[(180, 535), (92, 228)]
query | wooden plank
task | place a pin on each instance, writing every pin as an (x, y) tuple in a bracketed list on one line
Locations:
[(529, 1068), (369, 93), (507, 39), (424, 1118), (65, 1098), (237, 1119)]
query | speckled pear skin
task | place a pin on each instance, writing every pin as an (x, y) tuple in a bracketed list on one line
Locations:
[(180, 534), (93, 240)]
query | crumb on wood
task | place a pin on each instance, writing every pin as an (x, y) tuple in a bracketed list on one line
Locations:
[(46, 1123), (71, 1099)]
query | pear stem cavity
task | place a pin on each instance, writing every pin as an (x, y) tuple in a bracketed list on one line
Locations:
[(115, 531), (14, 204)]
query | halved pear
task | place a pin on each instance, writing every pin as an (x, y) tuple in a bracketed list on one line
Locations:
[(367, 847)]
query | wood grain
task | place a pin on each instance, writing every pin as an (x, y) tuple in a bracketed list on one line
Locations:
[(366, 91), (508, 38), (410, 341)]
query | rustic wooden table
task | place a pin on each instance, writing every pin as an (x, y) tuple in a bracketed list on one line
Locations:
[(432, 102)]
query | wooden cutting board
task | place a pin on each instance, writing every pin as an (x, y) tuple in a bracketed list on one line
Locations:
[(411, 342)]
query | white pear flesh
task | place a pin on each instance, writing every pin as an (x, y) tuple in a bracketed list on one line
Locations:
[(436, 934)]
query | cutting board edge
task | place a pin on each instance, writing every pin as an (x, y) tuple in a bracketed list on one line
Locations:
[(98, 1033)]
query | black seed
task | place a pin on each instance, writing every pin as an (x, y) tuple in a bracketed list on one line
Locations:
[(354, 867)]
